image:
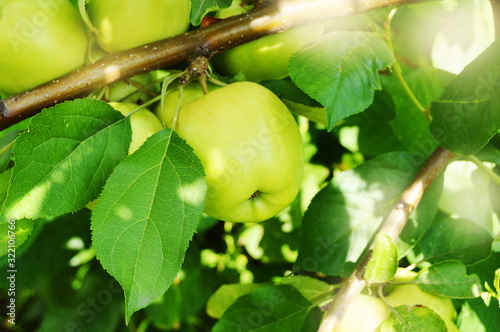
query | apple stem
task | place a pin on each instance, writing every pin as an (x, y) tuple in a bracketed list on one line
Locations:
[(198, 66), (255, 195), (179, 101), (202, 79), (380, 290)]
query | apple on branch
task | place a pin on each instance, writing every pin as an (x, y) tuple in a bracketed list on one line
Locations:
[(265, 58), (125, 24), (250, 147), (40, 40)]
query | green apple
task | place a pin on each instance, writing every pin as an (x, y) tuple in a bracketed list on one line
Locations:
[(125, 24), (40, 40), (411, 294), (265, 58), (364, 314), (374, 311), (250, 147), (190, 92), (143, 123)]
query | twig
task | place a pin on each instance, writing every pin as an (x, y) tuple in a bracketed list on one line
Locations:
[(396, 69), (269, 18), (393, 226)]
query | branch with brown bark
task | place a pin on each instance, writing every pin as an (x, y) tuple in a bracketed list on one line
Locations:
[(268, 18), (393, 226)]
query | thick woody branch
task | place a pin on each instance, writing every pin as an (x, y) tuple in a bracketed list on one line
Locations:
[(393, 226), (268, 18)]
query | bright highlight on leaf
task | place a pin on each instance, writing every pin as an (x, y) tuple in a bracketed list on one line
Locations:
[(466, 116), (146, 216), (458, 239), (345, 214), (340, 71)]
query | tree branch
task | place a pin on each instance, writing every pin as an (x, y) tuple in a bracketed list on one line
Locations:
[(268, 18), (393, 226)]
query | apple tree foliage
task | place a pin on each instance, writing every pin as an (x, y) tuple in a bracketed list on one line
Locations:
[(371, 108)]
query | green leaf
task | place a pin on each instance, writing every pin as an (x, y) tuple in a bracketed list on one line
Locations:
[(82, 7), (146, 216), (296, 100), (490, 153), (466, 115), (476, 316), (488, 272), (314, 290), (315, 114), (340, 71), (416, 318), (449, 279), (199, 8), (409, 124), (384, 261), (165, 311), (6, 155), (13, 234), (226, 295), (63, 160), (375, 135), (97, 305), (4, 185), (285, 89), (344, 216), (49, 253), (187, 296), (271, 308), (456, 239)]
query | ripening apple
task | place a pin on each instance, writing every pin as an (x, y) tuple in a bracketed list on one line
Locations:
[(125, 24), (265, 58), (250, 147), (190, 92), (366, 312), (40, 40)]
